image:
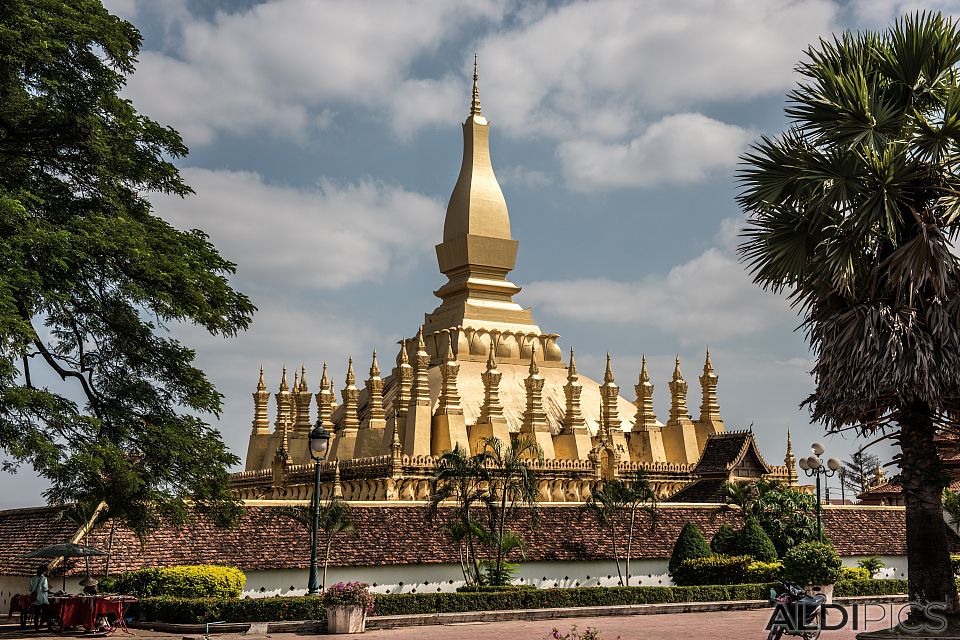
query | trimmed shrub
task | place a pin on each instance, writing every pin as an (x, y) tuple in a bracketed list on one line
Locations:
[(758, 571), (879, 587), (199, 610), (724, 541), (690, 544), (812, 563), (873, 564), (713, 570), (188, 581), (489, 588), (854, 573), (751, 540)]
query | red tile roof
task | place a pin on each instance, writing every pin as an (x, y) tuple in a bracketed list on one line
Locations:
[(401, 534)]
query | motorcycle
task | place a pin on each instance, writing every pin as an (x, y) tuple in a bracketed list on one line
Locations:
[(798, 612)]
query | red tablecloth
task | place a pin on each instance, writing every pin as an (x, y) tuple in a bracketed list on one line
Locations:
[(84, 610)]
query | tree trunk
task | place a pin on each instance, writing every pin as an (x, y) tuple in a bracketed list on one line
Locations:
[(326, 561), (113, 530), (616, 555), (633, 520), (929, 573), (503, 516)]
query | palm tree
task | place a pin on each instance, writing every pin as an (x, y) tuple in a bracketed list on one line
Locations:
[(512, 481), (852, 213), (610, 500), (460, 478), (335, 518)]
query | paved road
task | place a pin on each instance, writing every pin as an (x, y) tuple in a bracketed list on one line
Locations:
[(733, 625)]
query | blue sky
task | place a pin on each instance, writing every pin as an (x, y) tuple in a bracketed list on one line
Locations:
[(325, 141)]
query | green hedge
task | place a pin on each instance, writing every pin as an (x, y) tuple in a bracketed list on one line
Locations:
[(854, 573), (197, 610), (187, 581)]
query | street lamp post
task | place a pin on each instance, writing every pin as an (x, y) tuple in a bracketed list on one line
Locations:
[(813, 466), (319, 440)]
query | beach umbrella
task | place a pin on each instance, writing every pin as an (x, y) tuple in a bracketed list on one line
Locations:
[(66, 550)]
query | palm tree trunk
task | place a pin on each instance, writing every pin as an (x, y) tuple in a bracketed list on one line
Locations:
[(113, 530), (473, 552), (929, 573), (616, 555), (503, 516), (633, 519), (326, 561)]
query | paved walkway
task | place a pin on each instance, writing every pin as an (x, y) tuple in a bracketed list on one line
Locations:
[(733, 625)]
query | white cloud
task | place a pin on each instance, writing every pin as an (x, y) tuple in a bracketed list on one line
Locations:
[(705, 300), (879, 14), (585, 62), (270, 65), (324, 237), (524, 177), (677, 149)]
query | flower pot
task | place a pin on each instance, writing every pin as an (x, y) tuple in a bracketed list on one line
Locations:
[(346, 619)]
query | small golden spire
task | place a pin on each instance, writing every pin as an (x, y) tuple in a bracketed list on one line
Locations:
[(572, 369), (449, 357), (608, 374), (283, 381), (303, 378), (644, 376), (421, 346), (534, 369), (351, 378), (296, 380), (677, 375), (475, 105), (262, 385), (374, 366), (491, 361), (324, 380), (708, 366)]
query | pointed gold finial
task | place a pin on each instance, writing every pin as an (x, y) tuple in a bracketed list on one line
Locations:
[(644, 375), (534, 369), (374, 366), (491, 360), (475, 105), (449, 357), (572, 368), (303, 378), (708, 366), (351, 378), (608, 374), (283, 380), (421, 346), (324, 380), (677, 375), (402, 357), (262, 385)]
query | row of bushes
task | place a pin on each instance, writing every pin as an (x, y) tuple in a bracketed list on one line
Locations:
[(184, 581), (198, 610)]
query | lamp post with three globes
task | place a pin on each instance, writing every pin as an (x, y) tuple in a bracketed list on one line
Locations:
[(813, 466)]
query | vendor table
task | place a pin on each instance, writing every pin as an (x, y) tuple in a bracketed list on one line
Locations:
[(83, 611)]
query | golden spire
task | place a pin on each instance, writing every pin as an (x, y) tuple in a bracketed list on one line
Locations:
[(283, 381), (324, 399), (404, 374), (375, 413), (351, 377), (296, 380), (475, 105), (477, 252), (534, 369), (420, 389), (709, 408), (491, 407), (303, 378), (324, 381), (301, 400), (790, 462), (609, 397), (449, 400), (645, 417), (261, 417), (573, 416), (262, 385), (678, 395)]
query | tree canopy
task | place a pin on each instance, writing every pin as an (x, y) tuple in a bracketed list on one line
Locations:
[(95, 392)]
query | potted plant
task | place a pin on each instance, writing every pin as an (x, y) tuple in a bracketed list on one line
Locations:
[(815, 565), (347, 604)]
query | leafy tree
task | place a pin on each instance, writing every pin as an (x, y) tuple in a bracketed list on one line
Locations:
[(852, 213), (90, 278), (872, 564), (611, 500), (690, 544), (459, 479), (724, 541), (858, 471), (751, 540), (508, 472), (786, 515)]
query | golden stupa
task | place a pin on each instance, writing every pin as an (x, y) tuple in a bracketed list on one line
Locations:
[(478, 366)]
